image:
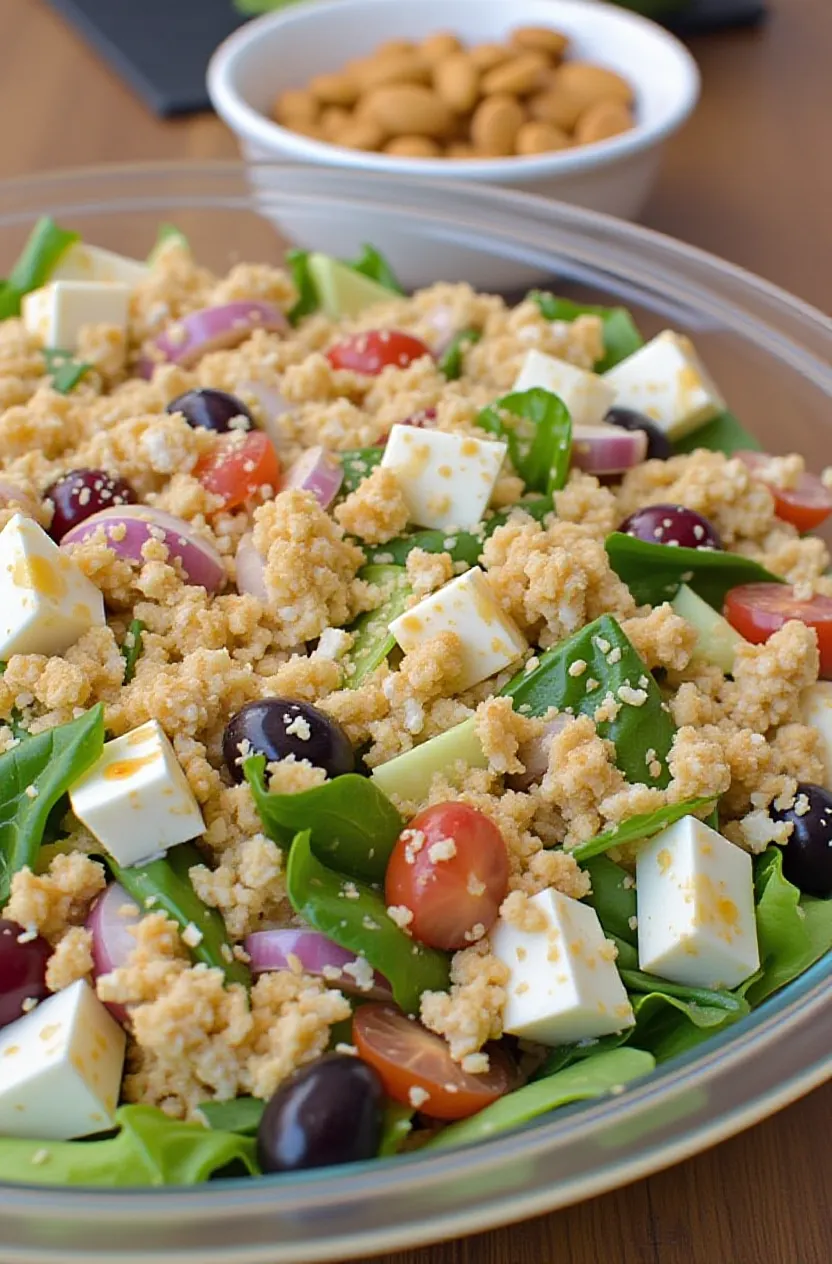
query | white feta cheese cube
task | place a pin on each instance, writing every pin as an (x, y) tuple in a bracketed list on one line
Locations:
[(585, 394), (446, 479), (468, 607), (816, 711), (695, 907), (46, 601), (666, 380), (136, 799), (564, 984), (92, 263), (60, 1068), (56, 313)]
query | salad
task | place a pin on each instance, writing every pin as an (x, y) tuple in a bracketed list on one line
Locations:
[(415, 712)]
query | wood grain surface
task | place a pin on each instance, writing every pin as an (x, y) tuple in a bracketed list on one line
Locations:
[(750, 179)]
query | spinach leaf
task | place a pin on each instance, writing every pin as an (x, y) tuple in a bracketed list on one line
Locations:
[(167, 233), (150, 1148), (33, 777), (671, 1018), (396, 1128), (166, 884), (613, 664), (131, 650), (794, 931), (362, 925), (241, 1115), (352, 825), (637, 828), (358, 464), (451, 362), (621, 337), (613, 897), (538, 430), (307, 300), (723, 434), (372, 641), (372, 263), (591, 1077), (66, 372), (35, 264), (655, 572), (463, 546)]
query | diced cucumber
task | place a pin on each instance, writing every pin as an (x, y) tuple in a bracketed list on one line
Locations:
[(716, 642), (341, 290), (410, 775), (372, 639)]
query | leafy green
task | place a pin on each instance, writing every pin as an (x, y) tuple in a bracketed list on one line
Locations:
[(452, 360), (613, 897), (538, 430), (463, 546), (723, 434), (166, 884), (66, 372), (793, 930), (591, 1077), (621, 337), (165, 235), (241, 1115), (655, 572), (372, 263), (637, 828), (612, 662), (35, 264), (672, 1018), (397, 1127), (358, 464), (372, 641), (307, 300), (131, 650), (150, 1148), (352, 825), (361, 925), (33, 777)]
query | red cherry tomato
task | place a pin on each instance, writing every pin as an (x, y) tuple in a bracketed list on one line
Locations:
[(450, 868), (371, 352), (805, 506), (239, 468), (408, 1057), (758, 610)]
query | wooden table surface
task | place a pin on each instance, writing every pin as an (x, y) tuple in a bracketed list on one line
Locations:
[(744, 181)]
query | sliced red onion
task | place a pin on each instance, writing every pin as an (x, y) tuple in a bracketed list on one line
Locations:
[(112, 941), (201, 562), (317, 471), (11, 494), (534, 755), (250, 568), (605, 449), (187, 340), (271, 949)]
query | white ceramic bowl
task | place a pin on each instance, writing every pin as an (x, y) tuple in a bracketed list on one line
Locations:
[(284, 49)]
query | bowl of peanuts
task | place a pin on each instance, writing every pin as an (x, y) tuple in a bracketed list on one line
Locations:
[(568, 98)]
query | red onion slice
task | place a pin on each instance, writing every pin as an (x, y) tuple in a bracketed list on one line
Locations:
[(605, 449), (534, 755), (200, 561), (250, 567), (112, 941), (271, 949), (217, 329), (317, 471)]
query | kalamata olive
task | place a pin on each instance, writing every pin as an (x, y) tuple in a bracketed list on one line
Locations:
[(81, 493), (22, 970), (807, 856), (207, 409), (659, 447), (328, 1112), (672, 524), (277, 728)]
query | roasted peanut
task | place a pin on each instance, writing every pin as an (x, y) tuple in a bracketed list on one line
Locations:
[(519, 76), (540, 138), (593, 83), (360, 133), (557, 106), (457, 81), (335, 89), (296, 105), (413, 147), (409, 109), (405, 66), (460, 150), (601, 121), (437, 47), (542, 39), (495, 125), (487, 56), (333, 120)]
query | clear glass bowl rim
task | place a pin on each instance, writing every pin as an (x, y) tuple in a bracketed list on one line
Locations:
[(770, 1058)]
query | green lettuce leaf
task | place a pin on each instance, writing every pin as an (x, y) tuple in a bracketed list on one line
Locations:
[(538, 430), (637, 828), (451, 362), (463, 546), (655, 572), (793, 930), (621, 337), (613, 896), (723, 434), (307, 300), (241, 1115), (372, 263), (358, 464)]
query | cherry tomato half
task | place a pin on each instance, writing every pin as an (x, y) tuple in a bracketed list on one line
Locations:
[(805, 506), (450, 868), (408, 1057), (758, 610), (239, 468), (371, 352)]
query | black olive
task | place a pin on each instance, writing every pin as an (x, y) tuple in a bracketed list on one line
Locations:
[(328, 1112), (207, 409), (79, 494), (277, 728), (672, 524), (807, 856), (659, 447)]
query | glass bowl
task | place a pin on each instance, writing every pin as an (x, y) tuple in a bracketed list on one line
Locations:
[(771, 354)]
